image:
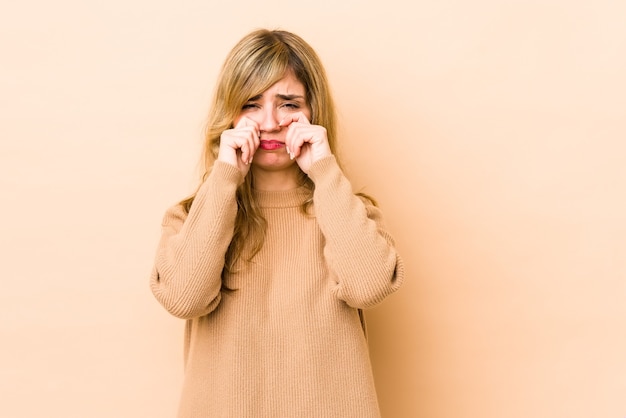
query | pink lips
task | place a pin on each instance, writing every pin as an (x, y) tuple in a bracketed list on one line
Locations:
[(270, 145)]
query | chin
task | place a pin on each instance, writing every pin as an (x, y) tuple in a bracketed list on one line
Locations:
[(273, 162)]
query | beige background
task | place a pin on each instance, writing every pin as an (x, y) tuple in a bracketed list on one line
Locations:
[(492, 133)]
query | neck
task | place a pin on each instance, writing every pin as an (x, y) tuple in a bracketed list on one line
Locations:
[(275, 181)]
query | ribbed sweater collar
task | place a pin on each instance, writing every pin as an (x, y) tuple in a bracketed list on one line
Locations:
[(282, 199)]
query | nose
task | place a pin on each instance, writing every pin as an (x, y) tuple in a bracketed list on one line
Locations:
[(269, 122)]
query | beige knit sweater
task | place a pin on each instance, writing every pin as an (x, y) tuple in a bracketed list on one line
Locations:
[(288, 340)]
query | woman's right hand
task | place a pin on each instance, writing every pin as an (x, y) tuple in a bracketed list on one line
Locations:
[(238, 145)]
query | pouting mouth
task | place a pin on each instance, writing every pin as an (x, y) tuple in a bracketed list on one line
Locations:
[(271, 144)]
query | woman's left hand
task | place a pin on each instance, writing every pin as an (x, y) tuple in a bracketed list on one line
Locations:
[(305, 142)]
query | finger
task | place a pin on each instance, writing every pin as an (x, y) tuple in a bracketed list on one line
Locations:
[(245, 152), (296, 117), (308, 136), (290, 141), (256, 137), (244, 122), (249, 139), (296, 137), (253, 145)]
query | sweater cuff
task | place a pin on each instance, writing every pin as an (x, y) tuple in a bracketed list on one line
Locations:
[(227, 173), (323, 167)]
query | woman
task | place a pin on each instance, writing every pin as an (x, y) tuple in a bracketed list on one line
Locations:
[(273, 258)]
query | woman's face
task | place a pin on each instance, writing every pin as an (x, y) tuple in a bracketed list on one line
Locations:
[(286, 97)]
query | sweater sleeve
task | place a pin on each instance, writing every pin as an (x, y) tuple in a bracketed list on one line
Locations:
[(360, 253), (187, 274)]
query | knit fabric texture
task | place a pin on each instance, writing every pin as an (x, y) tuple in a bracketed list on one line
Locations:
[(282, 335)]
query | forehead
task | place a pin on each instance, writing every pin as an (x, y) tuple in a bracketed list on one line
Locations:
[(289, 84)]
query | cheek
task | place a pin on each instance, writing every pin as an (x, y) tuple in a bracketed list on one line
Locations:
[(283, 112), (307, 112)]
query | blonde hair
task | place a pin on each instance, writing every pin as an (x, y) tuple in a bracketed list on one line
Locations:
[(254, 64)]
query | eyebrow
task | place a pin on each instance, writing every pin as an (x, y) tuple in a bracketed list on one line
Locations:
[(280, 96), (289, 96)]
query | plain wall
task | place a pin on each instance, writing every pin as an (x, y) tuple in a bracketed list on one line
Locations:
[(491, 132)]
